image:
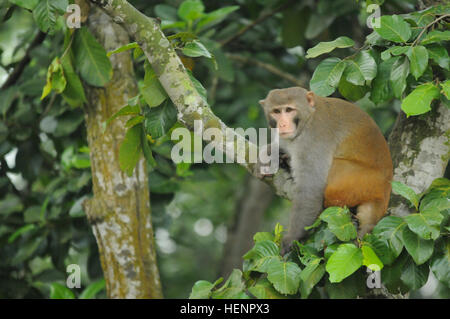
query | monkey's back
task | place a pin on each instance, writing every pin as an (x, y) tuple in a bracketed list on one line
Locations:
[(362, 165)]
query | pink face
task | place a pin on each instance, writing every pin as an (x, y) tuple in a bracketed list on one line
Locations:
[(285, 117)]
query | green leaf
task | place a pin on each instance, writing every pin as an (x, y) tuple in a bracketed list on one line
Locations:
[(285, 276), (202, 289), (336, 74), (10, 204), (425, 224), (74, 92), (58, 291), (55, 78), (195, 49), (435, 36), (190, 10), (262, 255), (339, 222), (446, 88), (151, 89), (370, 258), (126, 110), (390, 275), (93, 289), (439, 55), (159, 120), (123, 48), (263, 289), (396, 50), (90, 59), (349, 288), (310, 276), (406, 192), (361, 69), (214, 17), (419, 249), (418, 58), (440, 262), (200, 89), (130, 150), (46, 13), (134, 121), (419, 102), (321, 77), (350, 91), (394, 28), (413, 276), (381, 88), (380, 247), (260, 236), (399, 72), (233, 288), (391, 229), (344, 262), (326, 47)]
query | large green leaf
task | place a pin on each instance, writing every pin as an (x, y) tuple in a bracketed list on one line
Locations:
[(93, 289), (439, 55), (339, 222), (325, 47), (418, 58), (130, 150), (321, 77), (380, 247), (46, 13), (262, 255), (195, 49), (344, 262), (391, 229), (90, 59), (74, 91), (419, 249), (361, 69), (394, 28), (419, 100), (425, 224), (285, 276), (350, 91), (27, 4), (446, 88), (381, 89), (414, 276), (202, 289), (214, 17), (406, 192), (399, 73), (58, 291), (159, 120)]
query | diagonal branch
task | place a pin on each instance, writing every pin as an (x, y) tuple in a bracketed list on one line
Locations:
[(173, 77)]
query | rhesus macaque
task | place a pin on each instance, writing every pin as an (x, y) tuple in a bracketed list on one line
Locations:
[(338, 157)]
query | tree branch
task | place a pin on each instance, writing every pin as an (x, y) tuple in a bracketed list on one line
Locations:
[(173, 77)]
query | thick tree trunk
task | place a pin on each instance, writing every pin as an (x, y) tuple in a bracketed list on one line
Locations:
[(119, 212), (420, 149)]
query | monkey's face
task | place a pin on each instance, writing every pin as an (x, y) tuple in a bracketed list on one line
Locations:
[(285, 118), (288, 110)]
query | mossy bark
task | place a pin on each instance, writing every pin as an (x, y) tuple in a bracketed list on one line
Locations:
[(119, 211)]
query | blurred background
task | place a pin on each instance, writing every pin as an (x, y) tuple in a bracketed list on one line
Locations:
[(204, 215)]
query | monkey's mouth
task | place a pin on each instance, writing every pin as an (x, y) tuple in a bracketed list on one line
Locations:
[(286, 133)]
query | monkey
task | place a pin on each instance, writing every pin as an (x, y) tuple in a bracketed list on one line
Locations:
[(338, 157)]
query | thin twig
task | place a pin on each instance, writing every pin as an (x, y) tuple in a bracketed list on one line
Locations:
[(427, 26), (267, 67)]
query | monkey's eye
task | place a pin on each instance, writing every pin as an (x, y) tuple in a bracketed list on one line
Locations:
[(289, 109), (276, 111)]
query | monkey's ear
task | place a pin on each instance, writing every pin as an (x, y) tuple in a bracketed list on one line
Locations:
[(311, 98), (262, 102)]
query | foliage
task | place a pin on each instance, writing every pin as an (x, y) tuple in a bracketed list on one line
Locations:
[(331, 262), (410, 47), (45, 166)]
